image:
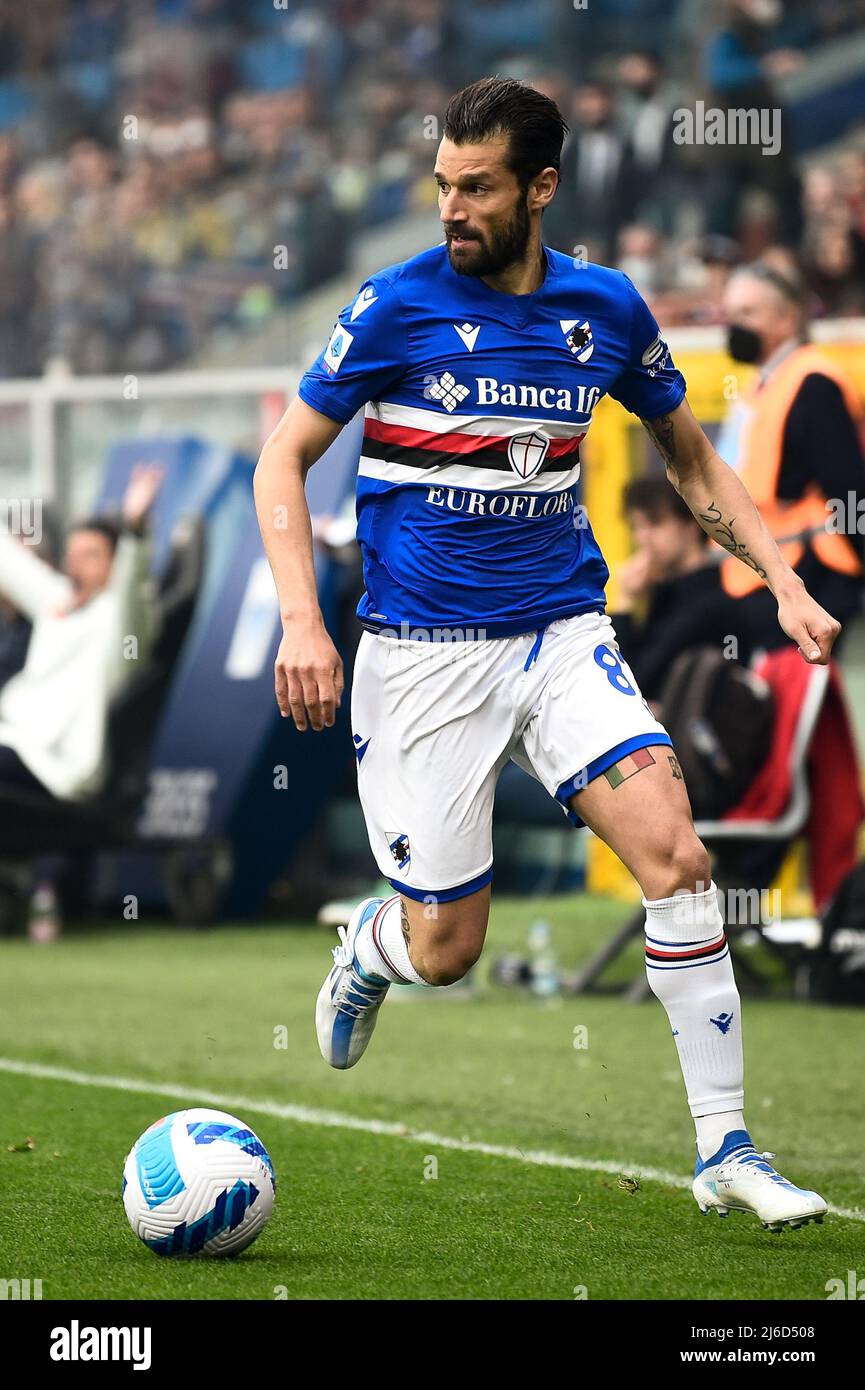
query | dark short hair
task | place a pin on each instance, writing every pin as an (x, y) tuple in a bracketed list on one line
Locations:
[(658, 499), (493, 106), (104, 526)]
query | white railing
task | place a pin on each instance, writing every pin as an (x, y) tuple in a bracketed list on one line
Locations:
[(44, 397)]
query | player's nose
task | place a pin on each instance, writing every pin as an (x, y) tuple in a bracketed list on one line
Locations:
[(449, 210)]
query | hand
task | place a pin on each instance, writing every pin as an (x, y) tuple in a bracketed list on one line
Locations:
[(812, 629), (634, 577), (309, 675), (782, 62), (141, 492)]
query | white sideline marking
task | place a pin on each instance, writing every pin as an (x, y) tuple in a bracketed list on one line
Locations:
[(334, 1119)]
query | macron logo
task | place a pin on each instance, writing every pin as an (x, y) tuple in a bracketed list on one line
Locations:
[(363, 301), (77, 1343), (468, 334)]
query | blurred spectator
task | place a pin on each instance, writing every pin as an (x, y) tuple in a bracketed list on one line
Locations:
[(835, 266), (670, 594), (648, 101), (638, 254), (853, 188), (718, 256), (169, 172), (742, 60), (15, 628), (53, 713), (18, 292), (596, 194), (795, 437), (15, 625)]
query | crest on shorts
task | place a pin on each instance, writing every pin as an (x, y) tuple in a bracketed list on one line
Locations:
[(526, 453), (397, 843)]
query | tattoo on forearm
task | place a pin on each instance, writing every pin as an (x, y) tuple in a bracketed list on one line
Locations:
[(723, 533), (661, 433), (404, 922)]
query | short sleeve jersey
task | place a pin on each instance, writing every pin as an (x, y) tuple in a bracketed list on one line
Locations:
[(475, 406)]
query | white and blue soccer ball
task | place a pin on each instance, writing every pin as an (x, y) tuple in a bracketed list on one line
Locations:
[(198, 1182)]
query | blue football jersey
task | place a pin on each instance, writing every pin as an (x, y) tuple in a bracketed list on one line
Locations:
[(476, 403)]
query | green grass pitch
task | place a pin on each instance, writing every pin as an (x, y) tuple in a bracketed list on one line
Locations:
[(358, 1214)]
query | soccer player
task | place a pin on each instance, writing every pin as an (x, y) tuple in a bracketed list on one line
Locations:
[(479, 364)]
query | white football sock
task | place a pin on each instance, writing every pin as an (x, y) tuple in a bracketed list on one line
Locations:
[(689, 969), (712, 1130), (381, 947)]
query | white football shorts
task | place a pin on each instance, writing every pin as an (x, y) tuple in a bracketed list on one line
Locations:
[(434, 723)]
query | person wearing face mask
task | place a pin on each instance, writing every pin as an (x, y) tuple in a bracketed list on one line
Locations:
[(796, 440)]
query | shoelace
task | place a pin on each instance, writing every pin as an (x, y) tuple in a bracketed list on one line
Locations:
[(354, 994), (750, 1158), (342, 954)]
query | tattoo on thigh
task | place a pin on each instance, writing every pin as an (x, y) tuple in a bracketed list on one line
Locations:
[(404, 922), (629, 767), (675, 767)]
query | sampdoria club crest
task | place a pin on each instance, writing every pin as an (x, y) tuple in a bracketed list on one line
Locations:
[(527, 452)]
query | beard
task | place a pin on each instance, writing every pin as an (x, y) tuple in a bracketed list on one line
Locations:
[(493, 253)]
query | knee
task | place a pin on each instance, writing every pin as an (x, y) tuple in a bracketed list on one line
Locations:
[(686, 866), (446, 939), (446, 957)]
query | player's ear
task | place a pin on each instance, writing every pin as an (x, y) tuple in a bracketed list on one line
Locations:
[(543, 187)]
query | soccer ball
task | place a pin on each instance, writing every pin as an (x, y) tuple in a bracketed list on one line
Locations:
[(198, 1182)]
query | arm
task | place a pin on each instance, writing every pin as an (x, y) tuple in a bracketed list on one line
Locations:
[(136, 610), (366, 354), (131, 583), (308, 671), (726, 513), (30, 585)]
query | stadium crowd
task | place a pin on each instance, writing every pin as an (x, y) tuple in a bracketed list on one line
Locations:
[(170, 168)]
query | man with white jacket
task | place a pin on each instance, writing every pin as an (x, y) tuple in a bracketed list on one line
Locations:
[(92, 624)]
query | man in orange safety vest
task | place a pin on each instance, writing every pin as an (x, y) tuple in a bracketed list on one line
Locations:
[(795, 436)]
